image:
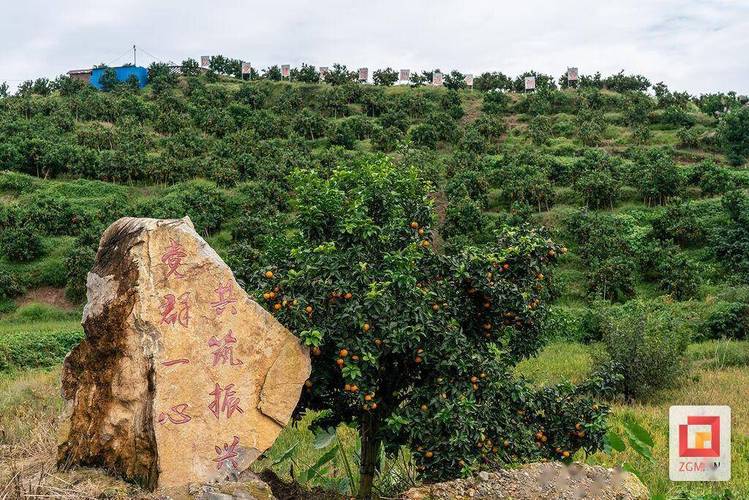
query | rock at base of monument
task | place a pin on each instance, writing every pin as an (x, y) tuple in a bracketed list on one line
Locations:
[(181, 378), (543, 480), (248, 487)]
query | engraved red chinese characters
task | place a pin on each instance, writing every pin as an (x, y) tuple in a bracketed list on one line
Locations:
[(173, 258), (224, 401), (175, 310), (225, 352)]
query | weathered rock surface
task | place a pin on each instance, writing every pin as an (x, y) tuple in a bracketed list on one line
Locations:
[(544, 480), (181, 377)]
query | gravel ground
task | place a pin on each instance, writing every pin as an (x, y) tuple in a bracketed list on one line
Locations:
[(546, 480)]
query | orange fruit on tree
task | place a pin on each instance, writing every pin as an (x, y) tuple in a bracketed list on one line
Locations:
[(347, 387), (365, 327), (368, 397), (308, 309), (269, 274), (424, 408), (339, 362), (343, 353), (374, 406), (421, 232), (277, 306), (566, 454), (348, 295), (429, 454), (425, 243), (414, 225), (435, 307), (354, 388)]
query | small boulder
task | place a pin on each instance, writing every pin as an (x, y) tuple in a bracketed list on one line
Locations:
[(181, 378)]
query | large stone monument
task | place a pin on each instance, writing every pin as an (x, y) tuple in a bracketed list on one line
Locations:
[(181, 377)]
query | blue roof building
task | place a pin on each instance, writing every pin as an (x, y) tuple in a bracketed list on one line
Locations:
[(123, 74)]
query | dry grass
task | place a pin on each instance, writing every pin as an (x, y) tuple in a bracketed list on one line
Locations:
[(30, 408)]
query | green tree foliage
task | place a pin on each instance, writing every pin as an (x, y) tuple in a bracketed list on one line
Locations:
[(190, 67), (713, 179), (385, 77), (543, 81), (539, 129), (492, 81), (728, 321), (306, 73), (495, 102), (626, 83), (656, 176), (20, 243), (455, 80), (591, 126), (645, 344), (733, 133), (340, 75), (108, 80), (412, 346), (273, 73), (597, 178), (605, 246), (730, 240)]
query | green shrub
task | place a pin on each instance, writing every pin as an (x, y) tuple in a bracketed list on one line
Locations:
[(680, 223), (465, 218), (424, 135), (733, 134), (539, 129), (612, 278), (78, 264), (713, 179), (679, 275), (21, 243), (17, 183), (646, 344), (10, 286), (21, 350), (728, 321), (730, 240), (204, 202)]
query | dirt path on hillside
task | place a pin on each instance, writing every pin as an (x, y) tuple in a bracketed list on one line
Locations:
[(46, 295)]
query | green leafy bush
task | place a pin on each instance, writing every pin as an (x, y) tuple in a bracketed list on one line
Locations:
[(646, 344), (21, 243), (10, 286), (733, 134), (728, 321), (204, 202)]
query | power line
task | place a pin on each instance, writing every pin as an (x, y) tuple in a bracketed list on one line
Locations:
[(118, 57)]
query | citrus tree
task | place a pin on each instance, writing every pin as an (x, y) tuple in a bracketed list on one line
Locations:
[(413, 346)]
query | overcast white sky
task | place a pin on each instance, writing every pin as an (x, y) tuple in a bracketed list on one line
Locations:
[(699, 46)]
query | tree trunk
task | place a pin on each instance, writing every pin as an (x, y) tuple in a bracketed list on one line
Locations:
[(370, 446)]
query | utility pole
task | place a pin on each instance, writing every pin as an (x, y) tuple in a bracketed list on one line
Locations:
[(135, 60)]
